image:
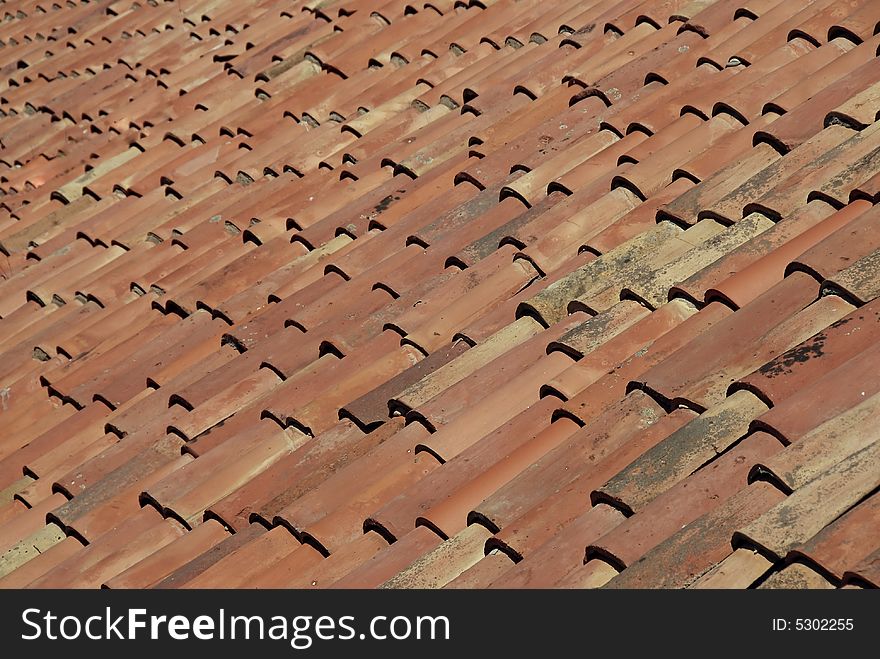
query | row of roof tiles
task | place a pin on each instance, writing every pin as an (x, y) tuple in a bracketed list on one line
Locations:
[(439, 295)]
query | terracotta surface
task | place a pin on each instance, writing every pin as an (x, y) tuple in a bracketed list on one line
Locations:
[(453, 295)]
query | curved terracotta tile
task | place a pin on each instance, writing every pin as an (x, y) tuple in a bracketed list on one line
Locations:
[(811, 359), (535, 200), (840, 546), (680, 560), (528, 522), (483, 572), (812, 506), (825, 446), (838, 250), (746, 283), (705, 489), (823, 398)]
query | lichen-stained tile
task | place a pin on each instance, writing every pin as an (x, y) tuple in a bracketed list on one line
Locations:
[(589, 395), (653, 290), (826, 445), (841, 545), (640, 219), (796, 576), (498, 317), (726, 198), (704, 490), (593, 333), (859, 111), (859, 281), (833, 176), (445, 563), (682, 452), (598, 353), (755, 266), (794, 319), (808, 103), (804, 409), (597, 285), (465, 185), (684, 557), (391, 561), (490, 348), (28, 520), (39, 565), (108, 509), (813, 505), (841, 249), (481, 575), (842, 340)]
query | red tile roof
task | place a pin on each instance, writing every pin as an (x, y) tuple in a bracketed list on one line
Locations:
[(446, 294)]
